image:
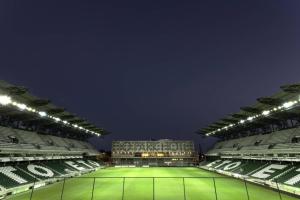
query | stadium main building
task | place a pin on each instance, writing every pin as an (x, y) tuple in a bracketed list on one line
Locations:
[(154, 153), (261, 143)]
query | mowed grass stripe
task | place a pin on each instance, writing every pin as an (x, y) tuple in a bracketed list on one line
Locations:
[(142, 188)]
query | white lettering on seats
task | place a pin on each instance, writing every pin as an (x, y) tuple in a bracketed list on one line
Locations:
[(2, 190), (269, 169), (40, 171), (212, 163), (223, 163), (294, 180), (74, 165), (8, 171), (232, 165), (93, 163), (82, 162)]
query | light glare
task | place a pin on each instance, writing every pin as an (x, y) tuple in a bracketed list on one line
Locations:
[(42, 114), (288, 104), (5, 100), (266, 112), (21, 106)]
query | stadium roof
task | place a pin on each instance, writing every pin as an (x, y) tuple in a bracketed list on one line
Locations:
[(282, 105), (16, 101)]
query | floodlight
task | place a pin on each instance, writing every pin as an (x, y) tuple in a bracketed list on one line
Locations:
[(30, 109), (250, 118), (42, 114), (5, 100), (21, 106), (57, 119), (289, 104), (266, 112)]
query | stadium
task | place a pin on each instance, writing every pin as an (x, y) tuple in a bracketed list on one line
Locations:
[(45, 155), (149, 100)]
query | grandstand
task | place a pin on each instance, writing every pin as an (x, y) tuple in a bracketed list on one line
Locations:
[(40, 142), (261, 143), (44, 155)]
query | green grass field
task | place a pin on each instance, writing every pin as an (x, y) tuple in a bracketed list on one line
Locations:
[(142, 188)]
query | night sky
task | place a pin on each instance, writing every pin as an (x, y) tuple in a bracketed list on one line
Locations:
[(150, 69)]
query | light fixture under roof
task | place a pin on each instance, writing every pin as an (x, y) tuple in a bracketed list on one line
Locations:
[(285, 106), (8, 101), (266, 112), (42, 114)]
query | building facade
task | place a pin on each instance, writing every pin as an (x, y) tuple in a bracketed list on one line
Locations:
[(154, 153)]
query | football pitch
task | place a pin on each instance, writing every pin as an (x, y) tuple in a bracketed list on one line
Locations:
[(138, 184)]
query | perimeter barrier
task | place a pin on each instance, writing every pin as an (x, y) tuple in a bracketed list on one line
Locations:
[(154, 188)]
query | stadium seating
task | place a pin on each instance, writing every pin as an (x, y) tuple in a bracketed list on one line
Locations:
[(16, 140), (17, 179), (59, 166), (270, 159), (13, 175), (40, 143), (29, 137), (272, 143), (283, 172), (28, 157)]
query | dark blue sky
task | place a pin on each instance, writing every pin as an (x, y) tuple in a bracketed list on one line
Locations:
[(150, 69)]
